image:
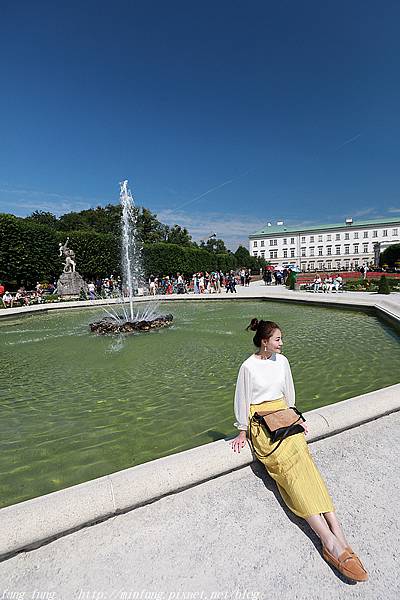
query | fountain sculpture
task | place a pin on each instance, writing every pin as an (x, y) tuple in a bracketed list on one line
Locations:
[(70, 284), (146, 316)]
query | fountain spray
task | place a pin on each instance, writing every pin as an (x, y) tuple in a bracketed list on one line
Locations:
[(131, 252)]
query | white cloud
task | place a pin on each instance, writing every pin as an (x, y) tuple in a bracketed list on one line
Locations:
[(22, 201)]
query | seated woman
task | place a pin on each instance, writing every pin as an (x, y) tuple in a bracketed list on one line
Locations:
[(265, 384), (7, 300)]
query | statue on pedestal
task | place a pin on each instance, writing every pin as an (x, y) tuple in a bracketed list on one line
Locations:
[(70, 284)]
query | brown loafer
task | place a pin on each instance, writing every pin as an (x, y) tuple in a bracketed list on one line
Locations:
[(348, 564), (355, 556)]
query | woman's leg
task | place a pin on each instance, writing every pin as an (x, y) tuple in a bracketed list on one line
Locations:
[(335, 527), (327, 537)]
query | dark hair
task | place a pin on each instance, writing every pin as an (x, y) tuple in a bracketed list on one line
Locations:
[(263, 329)]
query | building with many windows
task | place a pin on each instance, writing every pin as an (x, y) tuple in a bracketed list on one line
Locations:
[(345, 245)]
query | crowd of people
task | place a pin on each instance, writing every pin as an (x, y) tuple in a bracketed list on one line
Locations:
[(276, 277), (203, 282)]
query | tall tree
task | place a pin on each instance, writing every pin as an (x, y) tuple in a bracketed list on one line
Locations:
[(42, 217), (179, 235)]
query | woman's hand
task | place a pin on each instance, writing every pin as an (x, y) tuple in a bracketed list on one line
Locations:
[(305, 427), (239, 442)]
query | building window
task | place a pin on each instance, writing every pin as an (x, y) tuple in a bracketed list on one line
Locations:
[(285, 241), (320, 238), (292, 240), (329, 265), (262, 253), (375, 233), (303, 252), (312, 251), (347, 248), (254, 253), (312, 265), (356, 262), (291, 252), (337, 237), (384, 232), (303, 239), (320, 265), (329, 250), (262, 242), (365, 234), (346, 236), (365, 247), (275, 242), (356, 235), (355, 248), (285, 253), (311, 238), (337, 249), (271, 242), (329, 237), (394, 232), (319, 250), (255, 245)]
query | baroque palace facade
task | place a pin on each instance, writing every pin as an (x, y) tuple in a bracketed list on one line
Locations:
[(346, 245)]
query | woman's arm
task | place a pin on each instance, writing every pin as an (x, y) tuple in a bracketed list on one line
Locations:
[(241, 406), (290, 394)]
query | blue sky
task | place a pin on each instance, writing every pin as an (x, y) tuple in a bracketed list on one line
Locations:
[(223, 115)]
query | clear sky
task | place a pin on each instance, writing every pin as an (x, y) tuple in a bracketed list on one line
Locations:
[(279, 110)]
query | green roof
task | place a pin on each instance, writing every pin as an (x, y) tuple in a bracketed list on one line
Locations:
[(274, 229)]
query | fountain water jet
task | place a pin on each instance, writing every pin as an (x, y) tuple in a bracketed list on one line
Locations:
[(147, 317)]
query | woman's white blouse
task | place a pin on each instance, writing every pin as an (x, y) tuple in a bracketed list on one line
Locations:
[(260, 380)]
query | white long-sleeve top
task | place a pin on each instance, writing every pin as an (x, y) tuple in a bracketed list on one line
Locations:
[(260, 380)]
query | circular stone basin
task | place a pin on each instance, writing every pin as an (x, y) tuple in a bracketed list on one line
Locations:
[(75, 406)]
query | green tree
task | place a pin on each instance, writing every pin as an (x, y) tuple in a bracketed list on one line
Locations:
[(383, 286), (177, 235), (28, 251), (214, 245), (391, 256), (41, 217)]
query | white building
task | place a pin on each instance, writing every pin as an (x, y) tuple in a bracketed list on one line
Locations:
[(345, 245)]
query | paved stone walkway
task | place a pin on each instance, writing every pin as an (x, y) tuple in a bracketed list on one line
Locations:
[(232, 539)]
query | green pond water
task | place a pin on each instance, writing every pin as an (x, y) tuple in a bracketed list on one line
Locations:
[(75, 406)]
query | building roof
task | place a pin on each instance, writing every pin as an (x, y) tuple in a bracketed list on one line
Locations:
[(274, 229)]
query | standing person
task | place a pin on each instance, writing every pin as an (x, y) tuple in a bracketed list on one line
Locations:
[(92, 290), (196, 283), (265, 276), (247, 277), (265, 384), (201, 283), (242, 276)]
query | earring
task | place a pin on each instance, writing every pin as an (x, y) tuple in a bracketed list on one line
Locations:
[(265, 348)]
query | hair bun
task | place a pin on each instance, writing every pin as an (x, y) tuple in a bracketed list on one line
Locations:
[(253, 325)]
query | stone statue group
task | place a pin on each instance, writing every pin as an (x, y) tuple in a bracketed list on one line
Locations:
[(69, 255)]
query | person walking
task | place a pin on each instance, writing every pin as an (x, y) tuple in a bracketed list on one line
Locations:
[(265, 384)]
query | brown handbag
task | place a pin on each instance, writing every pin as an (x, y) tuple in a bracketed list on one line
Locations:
[(278, 424)]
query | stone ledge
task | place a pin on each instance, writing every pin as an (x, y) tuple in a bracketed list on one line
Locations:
[(32, 523)]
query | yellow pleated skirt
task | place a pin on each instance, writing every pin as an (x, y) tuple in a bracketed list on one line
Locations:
[(291, 466)]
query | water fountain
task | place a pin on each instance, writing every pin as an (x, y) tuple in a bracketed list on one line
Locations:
[(144, 317)]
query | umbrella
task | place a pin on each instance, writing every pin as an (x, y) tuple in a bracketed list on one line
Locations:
[(294, 268)]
